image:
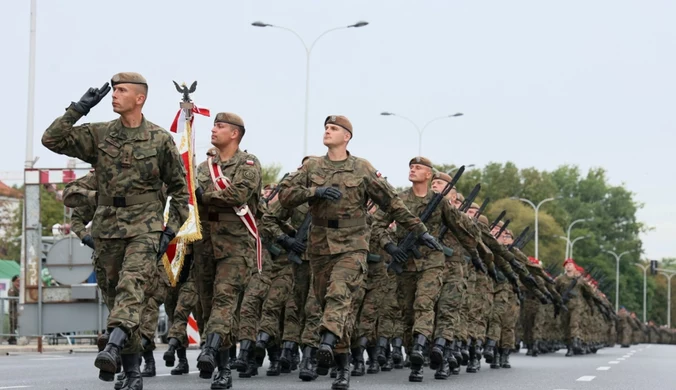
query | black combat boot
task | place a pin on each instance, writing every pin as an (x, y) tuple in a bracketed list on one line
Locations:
[(577, 346), (418, 350), (131, 365), (107, 360), (273, 355), (245, 347), (223, 378), (333, 373), (325, 351), (477, 352), (121, 381), (286, 357), (251, 367), (342, 381), (473, 365), (100, 342), (497, 359), (489, 351), (374, 365), (262, 343), (529, 352), (169, 358), (206, 361), (437, 353), (504, 358), (182, 367), (457, 355), (569, 352), (389, 364), (296, 359), (308, 365), (397, 355), (149, 368), (383, 345), (359, 368), (536, 348), (444, 370), (464, 351)]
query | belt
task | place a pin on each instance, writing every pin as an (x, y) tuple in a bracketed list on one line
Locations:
[(339, 223), (448, 251), (373, 258), (220, 217), (125, 201)]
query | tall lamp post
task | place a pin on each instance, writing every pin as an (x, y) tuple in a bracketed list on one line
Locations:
[(308, 51), (645, 286), (572, 244), (537, 220), (617, 276), (570, 227), (418, 128), (668, 273)]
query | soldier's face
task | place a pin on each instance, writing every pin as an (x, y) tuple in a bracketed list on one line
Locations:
[(17, 283), (456, 203), (472, 212), (438, 185), (127, 97), (570, 267), (222, 134), (506, 239), (418, 173), (495, 230), (335, 135)]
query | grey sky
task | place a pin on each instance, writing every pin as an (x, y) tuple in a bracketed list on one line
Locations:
[(541, 83)]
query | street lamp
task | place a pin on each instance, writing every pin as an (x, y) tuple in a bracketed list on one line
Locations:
[(617, 276), (645, 285), (421, 130), (570, 227), (537, 220), (668, 273), (573, 243), (308, 51)]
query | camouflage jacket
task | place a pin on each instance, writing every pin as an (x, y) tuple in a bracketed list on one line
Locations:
[(228, 234), (444, 213), (279, 220), (340, 226), (80, 195), (128, 163)]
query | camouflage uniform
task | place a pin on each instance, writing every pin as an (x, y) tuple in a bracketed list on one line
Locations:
[(187, 303), (131, 166), (339, 236)]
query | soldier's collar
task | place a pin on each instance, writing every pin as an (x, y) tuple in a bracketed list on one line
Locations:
[(141, 134)]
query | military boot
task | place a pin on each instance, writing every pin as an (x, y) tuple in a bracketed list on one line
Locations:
[(325, 351), (496, 359), (223, 378), (529, 352), (169, 358), (149, 368), (504, 358), (100, 342), (569, 352), (107, 360), (131, 365), (536, 348), (397, 356), (477, 352), (245, 347), (286, 357), (489, 351), (464, 351), (455, 349), (296, 359), (577, 346), (308, 365), (444, 370), (262, 343), (274, 369), (333, 373), (342, 381), (206, 361), (449, 356), (473, 365), (383, 345), (437, 353), (182, 367), (374, 365), (251, 367), (417, 358), (389, 364), (359, 368)]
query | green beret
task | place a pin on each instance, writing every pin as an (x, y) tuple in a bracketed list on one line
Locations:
[(339, 120), (128, 78)]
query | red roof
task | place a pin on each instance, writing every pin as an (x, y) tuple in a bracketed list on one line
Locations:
[(10, 192)]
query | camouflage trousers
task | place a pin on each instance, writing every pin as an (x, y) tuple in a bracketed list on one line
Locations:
[(130, 266), (100, 273), (625, 332), (390, 324), (418, 293), (250, 312), (572, 320), (155, 297), (528, 312), (541, 330), (279, 293), (187, 302), (294, 313), (368, 310), (313, 318), (480, 304), (336, 279), (449, 323), (504, 315)]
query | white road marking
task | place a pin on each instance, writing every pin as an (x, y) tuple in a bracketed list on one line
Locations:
[(633, 351), (15, 387), (603, 368), (191, 372), (620, 358), (586, 378), (613, 362), (49, 359), (626, 356)]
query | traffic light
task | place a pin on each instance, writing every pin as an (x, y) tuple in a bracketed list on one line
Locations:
[(653, 267)]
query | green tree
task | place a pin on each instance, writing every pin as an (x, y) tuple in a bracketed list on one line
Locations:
[(270, 173)]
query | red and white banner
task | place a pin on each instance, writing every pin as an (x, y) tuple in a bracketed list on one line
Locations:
[(192, 331), (191, 230)]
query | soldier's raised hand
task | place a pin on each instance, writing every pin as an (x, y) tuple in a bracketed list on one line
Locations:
[(90, 99)]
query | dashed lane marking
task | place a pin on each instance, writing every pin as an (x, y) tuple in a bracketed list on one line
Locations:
[(586, 378), (603, 368), (613, 362), (191, 372), (14, 387)]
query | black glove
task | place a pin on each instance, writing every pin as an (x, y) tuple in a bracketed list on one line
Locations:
[(518, 293), (493, 274), (513, 279), (397, 254), (430, 242), (291, 244), (543, 300), (199, 193), (549, 296), (531, 281), (165, 239), (91, 98), (89, 241), (478, 264), (328, 193)]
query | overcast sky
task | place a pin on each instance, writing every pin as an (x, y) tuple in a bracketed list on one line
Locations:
[(540, 83)]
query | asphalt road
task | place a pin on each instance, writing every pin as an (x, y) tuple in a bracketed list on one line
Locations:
[(644, 367)]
